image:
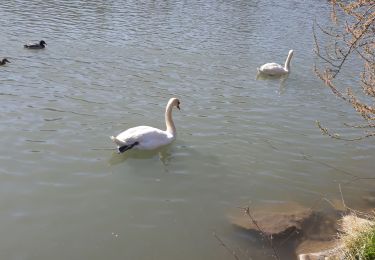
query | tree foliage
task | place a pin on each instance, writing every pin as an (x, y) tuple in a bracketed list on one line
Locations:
[(352, 32)]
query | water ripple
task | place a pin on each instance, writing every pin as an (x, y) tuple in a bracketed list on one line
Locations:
[(111, 65)]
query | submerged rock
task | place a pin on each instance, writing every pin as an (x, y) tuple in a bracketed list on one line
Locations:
[(291, 225), (310, 234), (275, 225), (370, 200)]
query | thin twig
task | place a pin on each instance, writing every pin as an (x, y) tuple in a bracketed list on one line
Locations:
[(230, 250), (342, 196), (337, 136), (360, 126), (247, 212)]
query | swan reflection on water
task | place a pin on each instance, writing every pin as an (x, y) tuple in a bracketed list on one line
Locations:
[(163, 153), (280, 78)]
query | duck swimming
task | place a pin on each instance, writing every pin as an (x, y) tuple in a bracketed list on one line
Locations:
[(39, 45), (275, 69), (147, 137), (4, 61)]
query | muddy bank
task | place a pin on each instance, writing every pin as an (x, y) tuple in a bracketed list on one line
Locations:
[(292, 229)]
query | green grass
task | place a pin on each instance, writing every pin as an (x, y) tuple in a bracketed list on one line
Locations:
[(358, 238), (369, 249)]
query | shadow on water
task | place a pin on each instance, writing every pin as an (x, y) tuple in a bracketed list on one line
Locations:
[(281, 78), (163, 153), (180, 153)]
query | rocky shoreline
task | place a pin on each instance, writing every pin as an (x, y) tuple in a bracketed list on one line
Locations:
[(310, 233)]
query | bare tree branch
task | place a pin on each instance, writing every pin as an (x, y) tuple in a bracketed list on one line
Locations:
[(353, 36), (269, 240), (230, 250)]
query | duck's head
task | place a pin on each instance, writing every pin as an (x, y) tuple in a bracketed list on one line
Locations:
[(175, 102), (5, 61), (42, 43)]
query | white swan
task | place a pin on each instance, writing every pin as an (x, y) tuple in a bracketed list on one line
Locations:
[(147, 137), (275, 69)]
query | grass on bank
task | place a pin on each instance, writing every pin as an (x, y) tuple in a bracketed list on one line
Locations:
[(358, 237)]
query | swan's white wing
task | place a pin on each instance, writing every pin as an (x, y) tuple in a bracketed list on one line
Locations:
[(147, 137), (32, 45), (271, 66), (272, 69)]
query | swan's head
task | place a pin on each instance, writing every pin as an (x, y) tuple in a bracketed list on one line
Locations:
[(290, 53), (174, 102)]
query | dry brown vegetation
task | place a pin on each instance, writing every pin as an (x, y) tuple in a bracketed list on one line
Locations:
[(352, 32), (358, 236)]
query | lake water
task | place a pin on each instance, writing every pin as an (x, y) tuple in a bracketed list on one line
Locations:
[(111, 65)]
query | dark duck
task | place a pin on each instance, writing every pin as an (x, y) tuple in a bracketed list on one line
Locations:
[(39, 45), (4, 61)]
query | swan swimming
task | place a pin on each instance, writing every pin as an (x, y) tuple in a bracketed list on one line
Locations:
[(275, 69), (147, 137)]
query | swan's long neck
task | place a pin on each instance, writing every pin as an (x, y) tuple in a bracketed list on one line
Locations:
[(169, 121), (287, 62)]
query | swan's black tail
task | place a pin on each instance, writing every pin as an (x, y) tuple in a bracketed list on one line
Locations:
[(124, 148)]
